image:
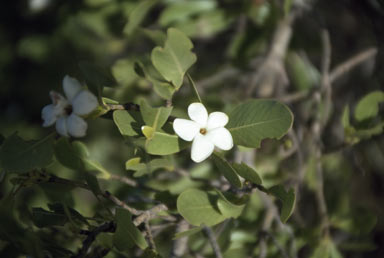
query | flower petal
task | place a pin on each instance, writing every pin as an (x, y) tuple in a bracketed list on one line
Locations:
[(221, 138), (186, 129), (202, 148), (61, 126), (71, 87), (216, 120), (84, 103), (198, 113), (77, 127), (48, 115)]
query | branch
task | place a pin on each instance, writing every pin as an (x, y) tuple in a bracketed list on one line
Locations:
[(120, 203), (91, 236), (212, 239), (179, 246), (351, 63), (124, 179), (150, 214)]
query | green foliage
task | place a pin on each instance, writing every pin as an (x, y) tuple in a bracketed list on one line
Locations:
[(368, 122), (154, 117), (175, 58), (287, 199), (18, 155), (57, 200), (368, 106), (255, 120), (199, 207), (75, 156), (141, 169), (127, 235), (163, 88), (227, 170), (137, 15), (127, 122), (247, 173), (97, 77)]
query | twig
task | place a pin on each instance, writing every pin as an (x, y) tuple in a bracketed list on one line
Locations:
[(149, 235), (179, 246), (91, 236), (127, 106), (124, 179), (278, 245), (267, 223), (346, 66), (212, 239), (149, 214), (272, 67), (221, 76), (121, 204)]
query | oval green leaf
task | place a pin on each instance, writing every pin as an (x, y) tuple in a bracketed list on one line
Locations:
[(175, 58), (127, 235), (18, 155), (247, 173), (126, 122), (255, 120), (164, 144), (199, 207), (368, 106), (287, 198), (227, 170)]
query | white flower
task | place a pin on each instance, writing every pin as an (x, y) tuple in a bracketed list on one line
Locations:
[(205, 131), (68, 112)]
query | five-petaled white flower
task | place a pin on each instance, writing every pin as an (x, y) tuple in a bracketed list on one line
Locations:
[(205, 131), (68, 112)]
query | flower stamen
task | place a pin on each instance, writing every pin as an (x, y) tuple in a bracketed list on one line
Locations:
[(203, 131)]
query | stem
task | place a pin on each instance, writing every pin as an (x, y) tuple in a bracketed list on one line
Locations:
[(212, 239)]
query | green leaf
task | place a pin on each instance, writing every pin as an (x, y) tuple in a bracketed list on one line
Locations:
[(247, 173), (157, 36), (175, 58), (148, 131), (43, 218), (60, 208), (154, 117), (287, 198), (56, 216), (96, 77), (326, 249), (127, 235), (127, 122), (199, 207), (147, 168), (227, 208), (227, 170), (368, 106), (137, 15), (93, 183), (17, 155), (75, 156), (187, 233), (163, 88), (303, 73), (164, 144), (345, 117), (255, 120), (179, 11)]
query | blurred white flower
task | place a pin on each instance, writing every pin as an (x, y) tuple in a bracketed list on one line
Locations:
[(205, 131), (67, 112)]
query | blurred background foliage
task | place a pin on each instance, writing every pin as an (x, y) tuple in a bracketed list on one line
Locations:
[(42, 40)]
